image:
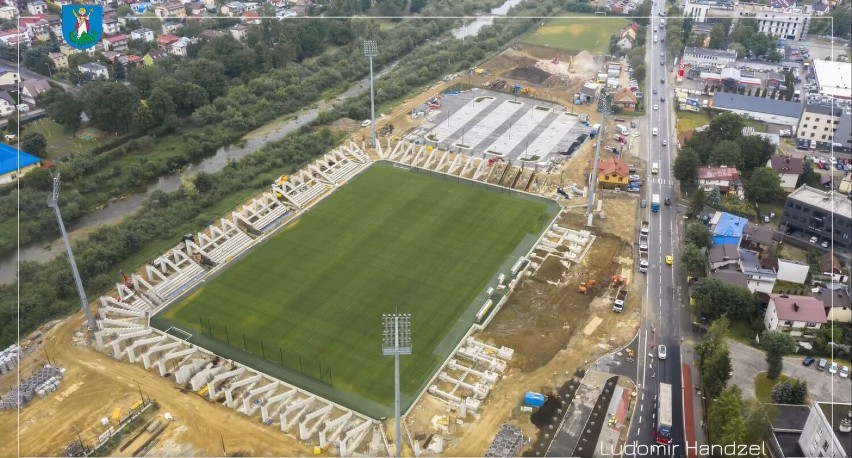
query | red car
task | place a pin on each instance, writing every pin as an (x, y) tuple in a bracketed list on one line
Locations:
[(619, 119)]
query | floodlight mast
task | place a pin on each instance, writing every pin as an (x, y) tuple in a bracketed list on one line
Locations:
[(53, 202), (371, 49), (396, 340)]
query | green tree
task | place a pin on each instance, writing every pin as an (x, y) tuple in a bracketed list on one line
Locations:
[(756, 417), (699, 235), (726, 152), (693, 259), (110, 105), (738, 48), (714, 196), (716, 370), (62, 107), (686, 165), (791, 391), (777, 344), (764, 185), (714, 298), (696, 203), (34, 143), (809, 176), (717, 37), (725, 423)]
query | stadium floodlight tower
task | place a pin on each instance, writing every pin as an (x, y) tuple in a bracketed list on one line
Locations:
[(396, 340), (371, 49), (603, 108), (53, 202)]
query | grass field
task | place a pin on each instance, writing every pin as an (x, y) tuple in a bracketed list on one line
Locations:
[(688, 120), (60, 142), (390, 240), (581, 32)]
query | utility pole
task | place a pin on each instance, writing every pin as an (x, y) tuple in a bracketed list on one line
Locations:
[(53, 202), (142, 398)]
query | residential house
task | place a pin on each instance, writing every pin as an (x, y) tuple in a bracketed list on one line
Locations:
[(757, 238), (146, 35), (211, 5), (730, 277), (234, 9), (837, 300), (626, 99), (60, 60), (239, 32), (760, 279), (15, 163), (251, 17), (36, 27), (171, 26), (7, 103), (31, 88), (170, 11), (132, 60), (8, 77), (115, 43), (166, 41), (13, 37), (54, 21), (153, 57), (111, 26), (8, 12), (197, 8), (140, 8), (830, 266), (613, 173), (789, 169), (820, 9), (722, 177), (179, 48), (727, 229), (793, 271), (37, 7), (624, 43), (211, 34), (94, 70), (722, 256), (795, 314)]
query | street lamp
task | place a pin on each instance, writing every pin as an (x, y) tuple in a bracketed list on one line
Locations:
[(371, 49), (396, 340)]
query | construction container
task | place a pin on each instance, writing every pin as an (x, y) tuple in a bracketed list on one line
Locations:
[(41, 393), (534, 399)]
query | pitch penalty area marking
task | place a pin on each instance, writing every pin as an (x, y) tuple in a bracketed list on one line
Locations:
[(178, 330)]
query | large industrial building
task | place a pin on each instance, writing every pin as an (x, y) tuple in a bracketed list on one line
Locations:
[(819, 122), (834, 78), (760, 109), (821, 214), (708, 57)]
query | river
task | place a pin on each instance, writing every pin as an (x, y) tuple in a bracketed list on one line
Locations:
[(253, 141)]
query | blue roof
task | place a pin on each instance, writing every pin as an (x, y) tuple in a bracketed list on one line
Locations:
[(9, 159), (729, 229)]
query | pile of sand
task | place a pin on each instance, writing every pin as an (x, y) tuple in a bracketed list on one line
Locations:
[(559, 69)]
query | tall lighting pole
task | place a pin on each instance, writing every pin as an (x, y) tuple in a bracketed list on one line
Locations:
[(53, 202), (371, 49), (396, 340), (603, 107)]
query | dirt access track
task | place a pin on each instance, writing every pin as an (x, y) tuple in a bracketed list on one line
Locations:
[(96, 384)]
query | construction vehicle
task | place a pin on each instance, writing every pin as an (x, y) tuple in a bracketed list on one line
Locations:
[(478, 71), (618, 303), (571, 64), (618, 280), (655, 203), (586, 286), (643, 262), (645, 228)]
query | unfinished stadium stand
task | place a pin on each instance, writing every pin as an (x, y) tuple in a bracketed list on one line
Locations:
[(219, 243), (263, 213), (172, 273)]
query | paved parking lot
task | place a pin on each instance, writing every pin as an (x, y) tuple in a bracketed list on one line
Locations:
[(822, 386)]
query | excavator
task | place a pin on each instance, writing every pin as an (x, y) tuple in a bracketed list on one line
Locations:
[(586, 286)]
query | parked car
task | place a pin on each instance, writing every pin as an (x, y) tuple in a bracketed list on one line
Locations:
[(822, 364), (832, 369), (824, 244), (808, 361), (366, 123), (844, 372), (661, 351), (656, 107), (814, 239)]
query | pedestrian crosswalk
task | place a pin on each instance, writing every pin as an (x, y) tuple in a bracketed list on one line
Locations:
[(662, 181)]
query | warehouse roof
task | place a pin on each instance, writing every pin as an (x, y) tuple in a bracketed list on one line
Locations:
[(9, 159), (834, 77), (728, 101), (829, 201)]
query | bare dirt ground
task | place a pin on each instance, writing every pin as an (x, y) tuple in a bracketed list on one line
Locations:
[(554, 330), (95, 384)]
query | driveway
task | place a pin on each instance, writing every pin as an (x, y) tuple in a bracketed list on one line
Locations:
[(748, 362)]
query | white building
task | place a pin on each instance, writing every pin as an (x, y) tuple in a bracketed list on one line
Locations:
[(834, 78), (796, 314), (96, 70), (789, 26), (37, 7), (8, 12), (143, 34), (705, 57), (695, 11), (819, 122), (827, 431), (793, 271)]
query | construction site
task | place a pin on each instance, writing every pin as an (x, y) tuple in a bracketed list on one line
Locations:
[(553, 312)]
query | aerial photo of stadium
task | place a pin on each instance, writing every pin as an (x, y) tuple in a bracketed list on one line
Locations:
[(306, 305)]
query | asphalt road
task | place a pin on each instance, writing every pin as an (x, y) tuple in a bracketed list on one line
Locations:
[(662, 316), (27, 74)]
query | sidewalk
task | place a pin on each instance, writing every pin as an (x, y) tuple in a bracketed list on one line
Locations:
[(693, 407)]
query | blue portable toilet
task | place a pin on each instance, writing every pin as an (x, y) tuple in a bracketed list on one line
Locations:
[(534, 399)]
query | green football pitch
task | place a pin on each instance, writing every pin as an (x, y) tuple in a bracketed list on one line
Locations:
[(311, 298)]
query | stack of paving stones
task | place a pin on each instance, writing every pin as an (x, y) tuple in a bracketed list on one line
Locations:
[(25, 392), (508, 442)]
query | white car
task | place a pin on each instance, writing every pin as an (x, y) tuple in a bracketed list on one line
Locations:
[(665, 142), (832, 369), (661, 352), (656, 107), (844, 372), (814, 239), (366, 123), (824, 244), (833, 160)]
